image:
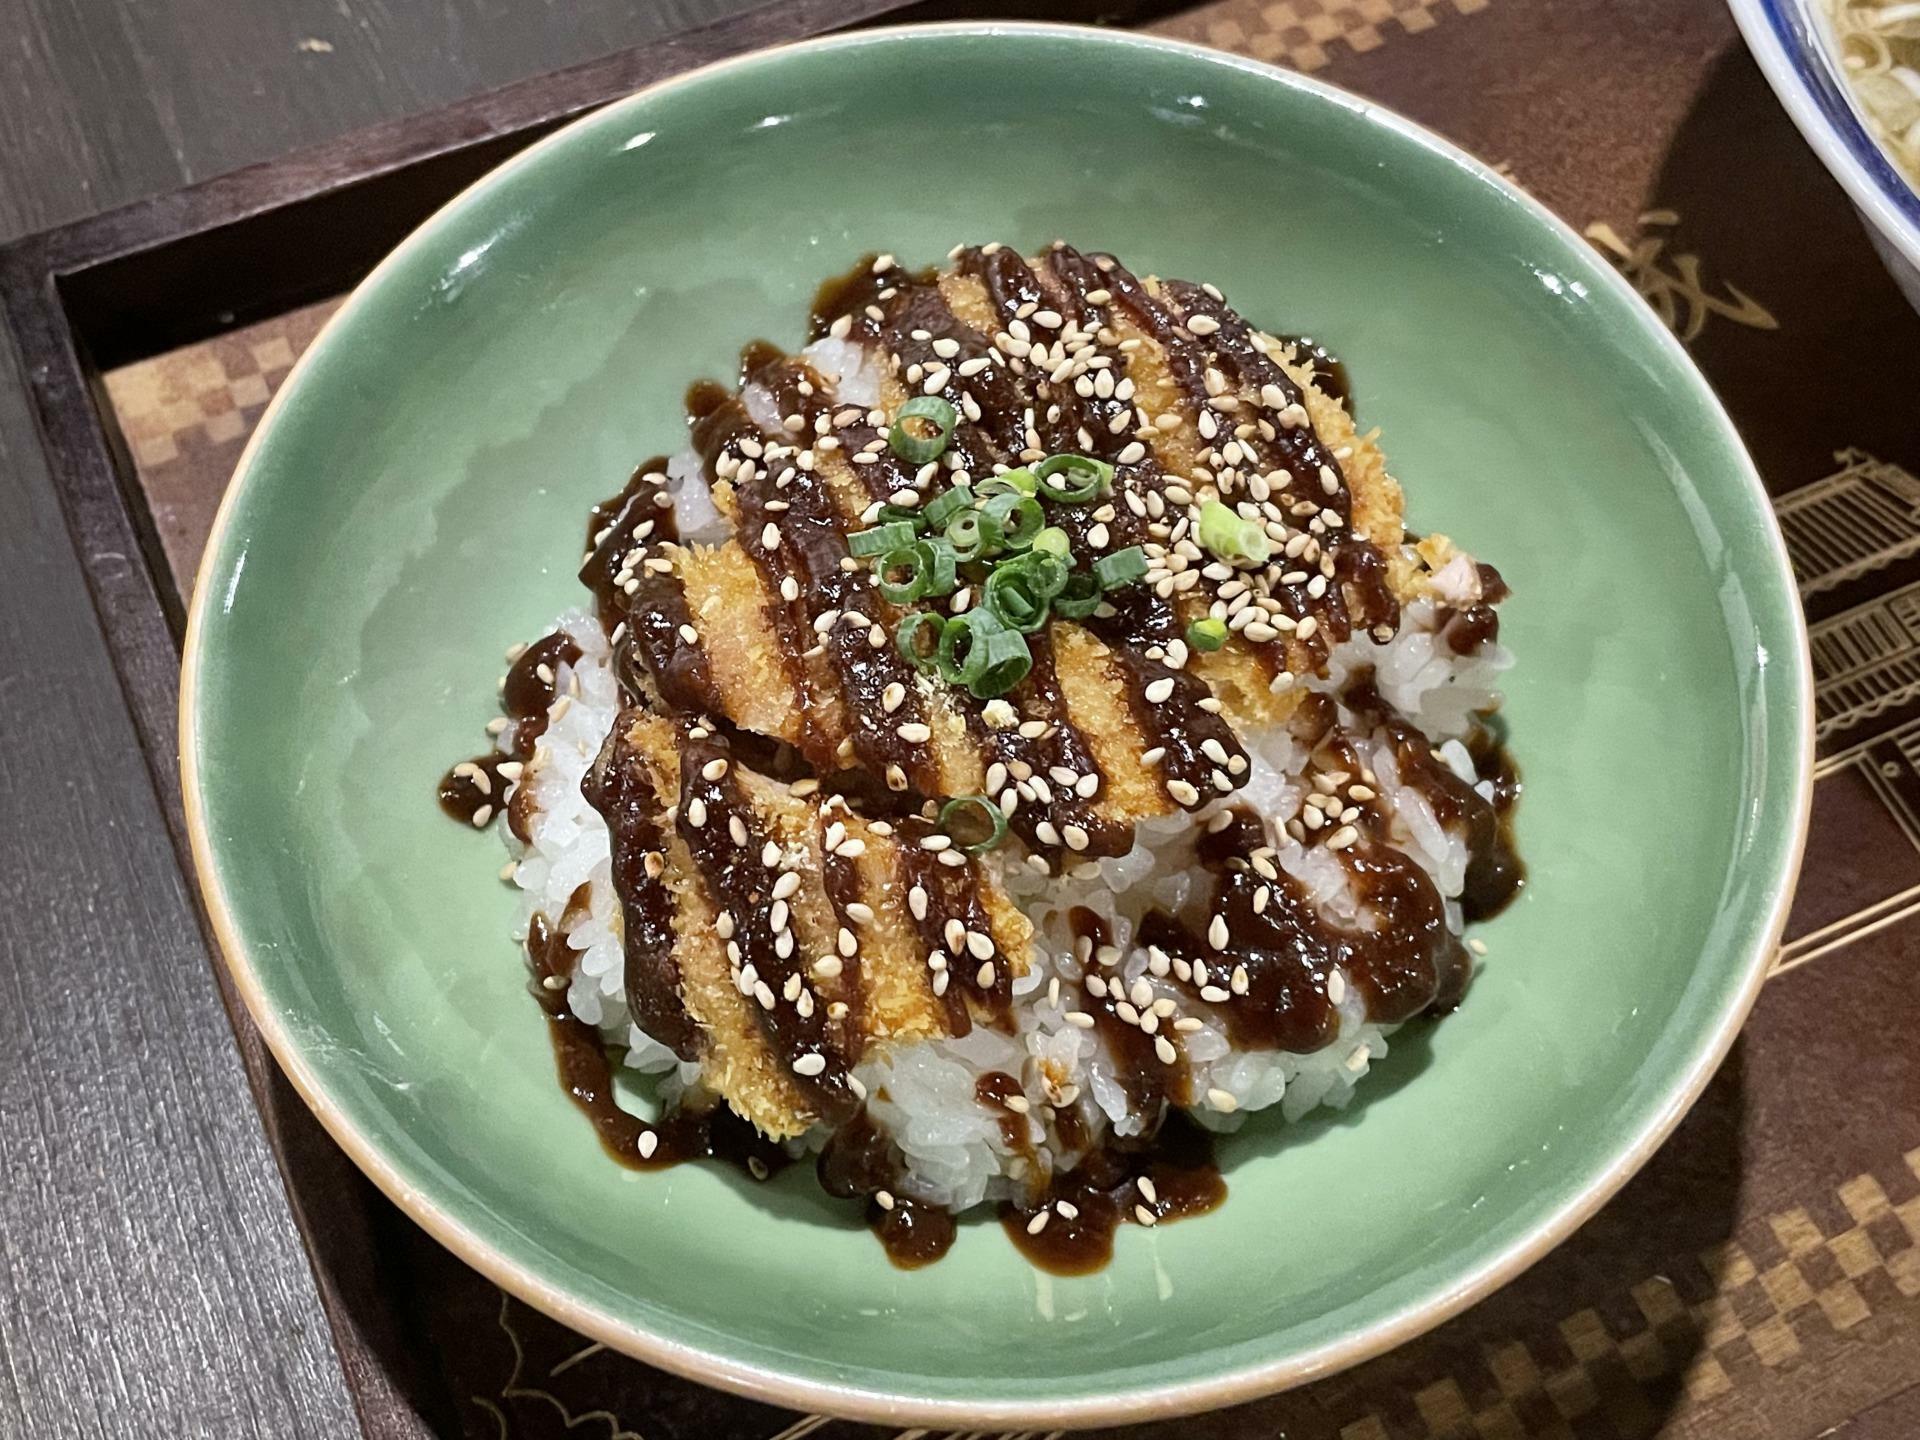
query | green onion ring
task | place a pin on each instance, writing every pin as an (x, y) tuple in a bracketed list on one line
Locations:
[(907, 640), (880, 539), (1080, 599), (1019, 516), (1072, 479), (901, 592), (960, 808), (916, 448)]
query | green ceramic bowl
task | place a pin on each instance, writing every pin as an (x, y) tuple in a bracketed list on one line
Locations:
[(413, 503)]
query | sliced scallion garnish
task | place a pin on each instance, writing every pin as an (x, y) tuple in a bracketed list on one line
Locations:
[(1079, 599), (1072, 479), (1231, 537), (1019, 516), (1019, 482), (974, 534), (1006, 664), (907, 588), (880, 539), (974, 815), (918, 639), (940, 566), (1053, 541), (1207, 634), (942, 508), (1122, 567), (922, 429), (977, 650)]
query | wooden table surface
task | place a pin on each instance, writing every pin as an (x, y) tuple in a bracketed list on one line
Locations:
[(151, 1282)]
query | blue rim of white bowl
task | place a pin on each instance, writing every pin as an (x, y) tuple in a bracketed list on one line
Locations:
[(1798, 55)]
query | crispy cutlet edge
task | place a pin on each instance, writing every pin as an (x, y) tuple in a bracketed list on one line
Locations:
[(896, 986), (723, 589), (738, 1065), (1096, 694)]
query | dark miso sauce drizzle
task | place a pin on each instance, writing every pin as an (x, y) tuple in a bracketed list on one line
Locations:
[(1285, 952)]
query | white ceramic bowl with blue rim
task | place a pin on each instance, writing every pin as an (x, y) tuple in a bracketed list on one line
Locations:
[(1793, 43)]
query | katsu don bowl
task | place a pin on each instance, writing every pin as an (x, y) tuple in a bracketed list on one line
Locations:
[(996, 725)]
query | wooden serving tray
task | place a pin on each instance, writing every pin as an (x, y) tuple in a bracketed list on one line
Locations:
[(1762, 1277)]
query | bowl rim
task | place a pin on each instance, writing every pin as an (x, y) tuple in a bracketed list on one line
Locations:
[(1801, 70), (877, 1405)]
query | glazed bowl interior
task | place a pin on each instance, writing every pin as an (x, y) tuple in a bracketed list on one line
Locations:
[(416, 501)]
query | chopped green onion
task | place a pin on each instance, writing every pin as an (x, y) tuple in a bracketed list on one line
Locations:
[(1047, 573), (941, 566), (907, 640), (1006, 663), (1080, 599), (1010, 594), (911, 442), (880, 539), (974, 534), (957, 818), (904, 591), (1122, 567), (889, 514), (938, 511), (1053, 541), (1231, 537), (977, 650), (1072, 479), (963, 645), (1020, 518), (1019, 482), (1208, 634)]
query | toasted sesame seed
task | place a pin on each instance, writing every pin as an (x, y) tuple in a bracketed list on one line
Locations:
[(1159, 691), (811, 1064), (1183, 792), (1039, 1221), (1018, 1104), (1336, 987), (1163, 1048), (786, 885), (1079, 1019), (1478, 947), (914, 733), (892, 696), (940, 981), (1144, 1215), (1342, 838), (713, 769), (979, 946), (737, 830), (884, 1199), (827, 967), (917, 902)]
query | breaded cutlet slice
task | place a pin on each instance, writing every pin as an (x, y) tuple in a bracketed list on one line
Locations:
[(865, 963)]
